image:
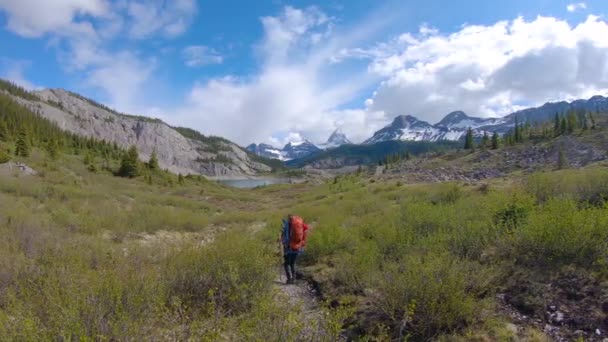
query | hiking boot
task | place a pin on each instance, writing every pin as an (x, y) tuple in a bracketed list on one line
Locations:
[(291, 281)]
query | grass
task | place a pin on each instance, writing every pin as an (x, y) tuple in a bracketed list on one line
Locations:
[(425, 261)]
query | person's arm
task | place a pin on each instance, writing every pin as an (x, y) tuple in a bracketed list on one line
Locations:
[(305, 234)]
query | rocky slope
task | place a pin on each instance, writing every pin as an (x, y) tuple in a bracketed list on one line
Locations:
[(176, 152)]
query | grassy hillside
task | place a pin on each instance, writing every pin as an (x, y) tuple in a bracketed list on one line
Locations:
[(86, 254)]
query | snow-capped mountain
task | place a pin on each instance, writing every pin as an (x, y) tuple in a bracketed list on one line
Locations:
[(336, 139), (299, 149), (406, 127), (454, 125), (267, 151), (294, 150)]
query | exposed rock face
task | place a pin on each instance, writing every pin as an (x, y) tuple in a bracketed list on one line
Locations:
[(175, 152)]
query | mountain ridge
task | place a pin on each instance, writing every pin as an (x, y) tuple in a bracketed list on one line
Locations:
[(176, 152)]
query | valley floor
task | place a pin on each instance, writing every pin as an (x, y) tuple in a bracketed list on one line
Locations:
[(521, 257)]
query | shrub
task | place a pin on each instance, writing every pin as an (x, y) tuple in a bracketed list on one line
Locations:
[(427, 294), (562, 233), (228, 276)]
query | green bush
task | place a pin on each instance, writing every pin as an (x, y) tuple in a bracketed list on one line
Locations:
[(589, 185), (427, 294), (562, 233), (228, 276)]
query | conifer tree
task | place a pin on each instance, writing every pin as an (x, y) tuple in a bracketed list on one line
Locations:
[(4, 156), (180, 179), (3, 131), (52, 149), (495, 140), (556, 125), (572, 122), (407, 155), (562, 161), (128, 164), (585, 123), (516, 131), (592, 119), (153, 162), (485, 141), (563, 126), (22, 146), (468, 141)]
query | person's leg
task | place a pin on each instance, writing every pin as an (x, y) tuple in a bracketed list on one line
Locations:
[(292, 264), (286, 261)]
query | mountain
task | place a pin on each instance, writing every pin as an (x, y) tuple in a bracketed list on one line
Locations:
[(296, 150), (336, 139), (180, 150), (267, 151), (406, 127), (300, 149), (454, 125)]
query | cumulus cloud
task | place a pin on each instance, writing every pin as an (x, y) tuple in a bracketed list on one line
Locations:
[(490, 70), (199, 55), (576, 6), (169, 17), (83, 32), (34, 18), (294, 95)]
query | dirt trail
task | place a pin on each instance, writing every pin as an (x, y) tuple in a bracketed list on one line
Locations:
[(301, 298)]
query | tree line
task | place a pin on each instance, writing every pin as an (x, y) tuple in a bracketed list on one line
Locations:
[(562, 124)]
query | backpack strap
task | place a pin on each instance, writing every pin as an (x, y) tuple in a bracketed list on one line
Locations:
[(286, 234)]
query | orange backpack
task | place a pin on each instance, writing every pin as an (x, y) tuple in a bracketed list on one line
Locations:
[(297, 237)]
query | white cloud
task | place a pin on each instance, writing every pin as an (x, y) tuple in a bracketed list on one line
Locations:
[(83, 32), (576, 6), (169, 17), (34, 18), (294, 95), (199, 55), (491, 70)]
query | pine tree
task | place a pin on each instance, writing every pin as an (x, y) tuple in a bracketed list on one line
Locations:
[(468, 141), (485, 141), (585, 123), (572, 122), (562, 161), (153, 162), (128, 164), (52, 149), (88, 159), (495, 140), (3, 131), (4, 156), (563, 126), (556, 125), (180, 179), (517, 132), (22, 146), (407, 155), (592, 119)]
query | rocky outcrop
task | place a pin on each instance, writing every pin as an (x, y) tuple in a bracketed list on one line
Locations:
[(175, 152)]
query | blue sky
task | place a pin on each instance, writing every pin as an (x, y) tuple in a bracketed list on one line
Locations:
[(273, 71)]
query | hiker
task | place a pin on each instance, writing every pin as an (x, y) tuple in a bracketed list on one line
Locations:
[(293, 241)]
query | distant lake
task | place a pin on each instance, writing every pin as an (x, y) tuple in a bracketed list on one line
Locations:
[(252, 183)]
